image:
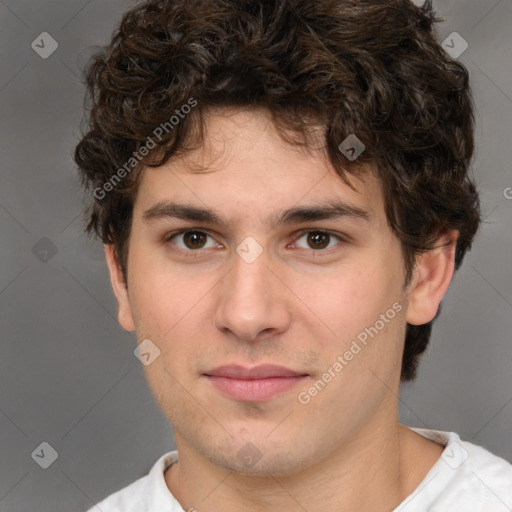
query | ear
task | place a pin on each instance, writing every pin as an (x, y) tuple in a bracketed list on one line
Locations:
[(431, 277), (124, 315)]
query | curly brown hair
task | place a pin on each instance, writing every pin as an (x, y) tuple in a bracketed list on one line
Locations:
[(372, 68)]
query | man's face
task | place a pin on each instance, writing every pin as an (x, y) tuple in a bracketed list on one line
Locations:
[(304, 302)]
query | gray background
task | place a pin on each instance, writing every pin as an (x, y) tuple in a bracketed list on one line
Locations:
[(68, 375)]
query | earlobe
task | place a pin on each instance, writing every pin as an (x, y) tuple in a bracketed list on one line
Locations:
[(124, 316), (431, 278)]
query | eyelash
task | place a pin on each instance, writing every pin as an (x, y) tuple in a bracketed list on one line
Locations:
[(198, 252)]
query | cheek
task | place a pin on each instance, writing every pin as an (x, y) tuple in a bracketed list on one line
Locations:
[(347, 299), (163, 300), (172, 310), (167, 309), (356, 314)]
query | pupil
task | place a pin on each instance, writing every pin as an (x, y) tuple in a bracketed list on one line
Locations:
[(316, 237), (192, 237)]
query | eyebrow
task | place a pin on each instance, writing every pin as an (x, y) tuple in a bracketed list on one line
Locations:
[(330, 210)]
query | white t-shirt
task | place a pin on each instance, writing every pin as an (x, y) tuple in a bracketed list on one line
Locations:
[(466, 478)]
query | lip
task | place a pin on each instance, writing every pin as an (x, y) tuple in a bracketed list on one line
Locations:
[(256, 384), (264, 371)]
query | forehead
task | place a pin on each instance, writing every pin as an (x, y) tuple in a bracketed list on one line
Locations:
[(244, 166)]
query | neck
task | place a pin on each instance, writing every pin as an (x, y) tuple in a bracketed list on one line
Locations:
[(374, 471)]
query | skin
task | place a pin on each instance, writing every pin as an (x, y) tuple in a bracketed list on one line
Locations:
[(292, 306)]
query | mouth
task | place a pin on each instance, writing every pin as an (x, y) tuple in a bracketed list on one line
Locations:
[(256, 384)]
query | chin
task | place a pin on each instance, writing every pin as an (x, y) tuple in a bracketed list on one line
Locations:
[(257, 458)]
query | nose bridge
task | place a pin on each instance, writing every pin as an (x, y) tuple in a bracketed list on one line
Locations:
[(249, 300), (249, 272)]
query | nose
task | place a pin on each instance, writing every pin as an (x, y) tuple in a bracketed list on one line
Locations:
[(252, 300)]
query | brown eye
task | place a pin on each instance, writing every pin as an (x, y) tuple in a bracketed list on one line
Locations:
[(318, 239), (194, 239), (190, 240)]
